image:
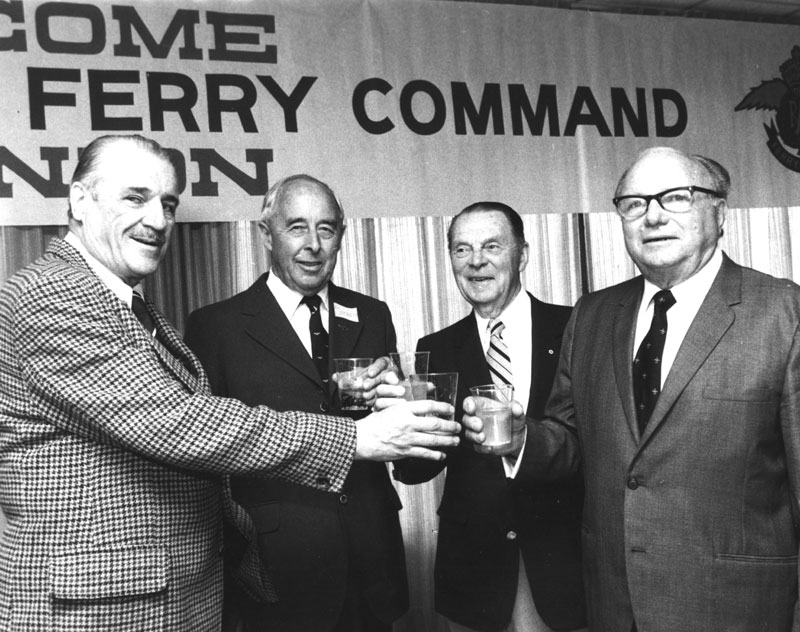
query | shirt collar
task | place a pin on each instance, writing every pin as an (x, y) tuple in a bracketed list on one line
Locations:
[(289, 299), (696, 285), (513, 314), (109, 279)]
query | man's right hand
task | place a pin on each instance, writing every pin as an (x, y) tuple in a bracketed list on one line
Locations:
[(407, 429)]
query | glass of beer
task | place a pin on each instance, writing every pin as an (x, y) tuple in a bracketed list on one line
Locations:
[(493, 406)]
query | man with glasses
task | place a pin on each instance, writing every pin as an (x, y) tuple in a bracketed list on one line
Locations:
[(678, 393), (507, 558)]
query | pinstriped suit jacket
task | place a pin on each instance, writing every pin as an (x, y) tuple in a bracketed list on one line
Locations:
[(111, 456), (691, 526)]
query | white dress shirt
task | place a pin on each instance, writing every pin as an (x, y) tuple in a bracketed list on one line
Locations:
[(296, 313), (689, 295), (518, 336)]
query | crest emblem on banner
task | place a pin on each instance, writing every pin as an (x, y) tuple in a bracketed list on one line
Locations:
[(783, 96)]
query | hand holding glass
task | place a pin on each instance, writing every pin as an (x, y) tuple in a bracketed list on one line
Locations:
[(493, 406)]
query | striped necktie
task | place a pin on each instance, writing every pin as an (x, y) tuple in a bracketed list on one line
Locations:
[(497, 356), (319, 337)]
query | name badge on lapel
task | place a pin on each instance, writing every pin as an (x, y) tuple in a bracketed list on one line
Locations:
[(348, 313)]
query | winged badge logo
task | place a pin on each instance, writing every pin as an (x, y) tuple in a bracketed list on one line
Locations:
[(783, 97)]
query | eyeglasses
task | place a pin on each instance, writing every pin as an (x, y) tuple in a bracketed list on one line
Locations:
[(492, 249), (676, 200)]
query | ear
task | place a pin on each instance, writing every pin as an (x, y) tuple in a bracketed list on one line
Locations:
[(523, 256), (79, 197), (722, 214), (266, 235)]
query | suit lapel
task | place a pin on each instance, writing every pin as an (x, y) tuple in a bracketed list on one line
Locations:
[(624, 328), (713, 319), (545, 336), (470, 356), (168, 345), (264, 321)]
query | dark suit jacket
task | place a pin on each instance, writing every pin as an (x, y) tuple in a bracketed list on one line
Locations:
[(308, 540), (691, 526), (485, 519)]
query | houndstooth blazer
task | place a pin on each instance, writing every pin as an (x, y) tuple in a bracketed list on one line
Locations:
[(112, 452)]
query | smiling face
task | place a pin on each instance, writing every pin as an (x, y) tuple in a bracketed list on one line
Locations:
[(488, 273), (667, 247), (125, 210), (303, 235)]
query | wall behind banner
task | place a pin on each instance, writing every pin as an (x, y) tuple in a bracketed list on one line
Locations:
[(404, 262), (410, 108)]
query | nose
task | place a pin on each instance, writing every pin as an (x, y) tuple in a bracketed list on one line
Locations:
[(313, 242), (655, 213), (477, 257), (155, 217)]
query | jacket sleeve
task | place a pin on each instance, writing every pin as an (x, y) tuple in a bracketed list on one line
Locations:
[(551, 448), (91, 371)]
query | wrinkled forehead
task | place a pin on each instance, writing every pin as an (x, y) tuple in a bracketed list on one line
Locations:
[(656, 171)]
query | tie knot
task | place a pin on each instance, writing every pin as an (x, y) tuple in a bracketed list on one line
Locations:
[(663, 300), (496, 328), (313, 302)]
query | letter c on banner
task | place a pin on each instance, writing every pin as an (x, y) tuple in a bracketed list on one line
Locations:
[(375, 84)]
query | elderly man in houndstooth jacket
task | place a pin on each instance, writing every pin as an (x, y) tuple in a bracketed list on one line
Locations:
[(112, 449)]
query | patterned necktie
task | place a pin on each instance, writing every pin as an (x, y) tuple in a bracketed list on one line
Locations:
[(319, 337), (497, 356), (647, 363), (140, 311)]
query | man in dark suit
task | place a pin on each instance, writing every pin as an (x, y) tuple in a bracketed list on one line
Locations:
[(507, 558), (337, 561), (692, 483), (113, 448)]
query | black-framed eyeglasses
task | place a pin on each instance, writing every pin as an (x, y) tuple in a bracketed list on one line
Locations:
[(675, 200)]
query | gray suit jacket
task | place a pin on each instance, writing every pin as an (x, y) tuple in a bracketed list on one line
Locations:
[(692, 526), (112, 451)]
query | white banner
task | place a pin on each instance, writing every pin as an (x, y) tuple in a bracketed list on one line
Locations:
[(404, 108)]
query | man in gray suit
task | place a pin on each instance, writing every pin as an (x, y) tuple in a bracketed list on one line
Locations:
[(112, 447), (679, 392)]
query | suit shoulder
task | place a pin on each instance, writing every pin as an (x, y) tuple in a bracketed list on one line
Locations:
[(350, 298), (222, 308), (455, 331)]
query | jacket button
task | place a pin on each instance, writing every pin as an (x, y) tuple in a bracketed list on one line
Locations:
[(633, 483), (324, 481), (511, 535), (323, 407), (344, 499)]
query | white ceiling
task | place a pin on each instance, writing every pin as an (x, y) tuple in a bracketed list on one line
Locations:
[(772, 11)]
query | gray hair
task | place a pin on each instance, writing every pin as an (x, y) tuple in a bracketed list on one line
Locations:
[(277, 192)]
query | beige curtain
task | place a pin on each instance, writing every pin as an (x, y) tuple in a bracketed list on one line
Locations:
[(404, 262)]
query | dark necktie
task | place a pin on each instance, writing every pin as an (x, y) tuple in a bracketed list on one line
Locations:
[(319, 337), (497, 356), (140, 311), (647, 363)]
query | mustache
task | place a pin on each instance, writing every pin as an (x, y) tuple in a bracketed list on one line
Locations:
[(150, 236)]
